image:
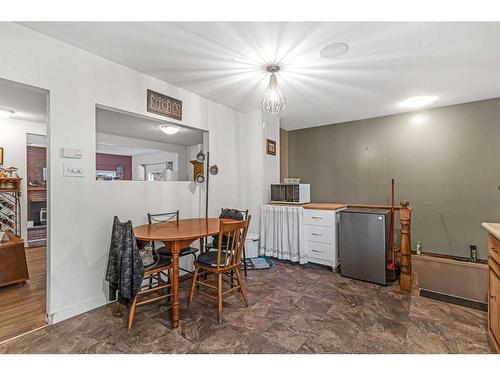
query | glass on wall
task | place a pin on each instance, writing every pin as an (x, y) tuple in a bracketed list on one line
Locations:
[(131, 147)]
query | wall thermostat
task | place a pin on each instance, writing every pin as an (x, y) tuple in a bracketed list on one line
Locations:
[(73, 153)]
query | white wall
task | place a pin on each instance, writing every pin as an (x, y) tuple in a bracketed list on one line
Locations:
[(13, 140), (159, 157), (257, 169), (169, 148), (81, 209)]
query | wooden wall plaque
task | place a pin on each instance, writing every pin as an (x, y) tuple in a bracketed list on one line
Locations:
[(164, 105)]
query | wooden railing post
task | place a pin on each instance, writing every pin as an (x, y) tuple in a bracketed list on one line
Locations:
[(405, 221)]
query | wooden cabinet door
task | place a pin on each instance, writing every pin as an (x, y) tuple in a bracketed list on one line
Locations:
[(494, 302)]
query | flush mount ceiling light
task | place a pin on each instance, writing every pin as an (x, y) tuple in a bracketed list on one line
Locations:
[(6, 113), (169, 129), (273, 101), (418, 101), (333, 50)]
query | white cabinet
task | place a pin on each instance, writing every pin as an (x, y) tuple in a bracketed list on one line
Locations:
[(322, 236)]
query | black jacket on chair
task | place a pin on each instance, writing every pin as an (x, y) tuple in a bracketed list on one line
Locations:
[(125, 268), (227, 213)]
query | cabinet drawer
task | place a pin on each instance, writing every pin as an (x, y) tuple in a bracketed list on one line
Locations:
[(319, 234), (324, 218), (494, 248), (321, 251)]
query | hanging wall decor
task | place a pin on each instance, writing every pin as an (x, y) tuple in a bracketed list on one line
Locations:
[(270, 147), (164, 105)]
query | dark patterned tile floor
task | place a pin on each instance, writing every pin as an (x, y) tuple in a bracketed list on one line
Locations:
[(293, 309)]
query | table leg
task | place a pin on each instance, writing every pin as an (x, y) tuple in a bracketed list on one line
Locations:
[(175, 284), (202, 245)]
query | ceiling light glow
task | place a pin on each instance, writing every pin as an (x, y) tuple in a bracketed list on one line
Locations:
[(6, 113), (419, 119), (418, 101), (274, 101), (333, 50), (170, 129)]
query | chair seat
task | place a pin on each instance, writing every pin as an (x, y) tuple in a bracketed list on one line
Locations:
[(162, 262), (209, 258), (185, 251)]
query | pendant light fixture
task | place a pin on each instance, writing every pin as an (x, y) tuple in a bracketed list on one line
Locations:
[(274, 101)]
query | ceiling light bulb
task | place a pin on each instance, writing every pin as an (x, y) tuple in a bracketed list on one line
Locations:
[(6, 113), (418, 101), (170, 129), (273, 102)]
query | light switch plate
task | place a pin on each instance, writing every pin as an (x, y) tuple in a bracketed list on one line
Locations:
[(73, 170)]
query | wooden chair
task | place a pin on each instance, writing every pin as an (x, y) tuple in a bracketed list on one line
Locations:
[(213, 244), (165, 251), (222, 262), (164, 264)]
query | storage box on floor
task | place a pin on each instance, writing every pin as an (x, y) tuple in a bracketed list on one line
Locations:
[(252, 245)]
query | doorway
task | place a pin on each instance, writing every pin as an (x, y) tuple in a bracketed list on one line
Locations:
[(24, 119)]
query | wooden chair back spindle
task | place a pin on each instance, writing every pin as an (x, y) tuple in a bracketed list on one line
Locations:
[(235, 233)]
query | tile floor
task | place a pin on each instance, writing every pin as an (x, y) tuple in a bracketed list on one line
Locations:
[(293, 309)]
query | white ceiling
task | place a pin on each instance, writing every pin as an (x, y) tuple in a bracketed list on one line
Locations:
[(386, 63), (134, 126), (28, 103), (121, 150)]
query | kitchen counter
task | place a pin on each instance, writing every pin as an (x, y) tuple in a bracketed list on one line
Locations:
[(314, 206), (324, 206), (492, 228)]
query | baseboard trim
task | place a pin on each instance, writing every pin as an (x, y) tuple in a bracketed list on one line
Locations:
[(482, 306), (76, 309)]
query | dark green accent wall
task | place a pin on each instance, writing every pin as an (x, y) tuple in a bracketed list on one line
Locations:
[(445, 161)]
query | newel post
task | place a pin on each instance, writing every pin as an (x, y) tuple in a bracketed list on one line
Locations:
[(405, 221)]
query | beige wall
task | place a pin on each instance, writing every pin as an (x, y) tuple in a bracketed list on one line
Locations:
[(445, 161)]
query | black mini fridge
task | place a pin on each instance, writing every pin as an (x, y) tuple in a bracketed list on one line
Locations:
[(364, 244)]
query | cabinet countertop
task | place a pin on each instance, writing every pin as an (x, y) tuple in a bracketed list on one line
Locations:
[(324, 206), (492, 228), (314, 206)]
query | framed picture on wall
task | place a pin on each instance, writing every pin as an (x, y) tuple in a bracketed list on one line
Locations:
[(1, 155), (270, 147)]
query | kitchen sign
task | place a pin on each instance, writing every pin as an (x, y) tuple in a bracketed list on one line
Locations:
[(164, 105)]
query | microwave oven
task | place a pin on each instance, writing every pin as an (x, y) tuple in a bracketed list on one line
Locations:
[(290, 193)]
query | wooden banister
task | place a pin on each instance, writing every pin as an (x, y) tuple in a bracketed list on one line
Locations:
[(405, 221)]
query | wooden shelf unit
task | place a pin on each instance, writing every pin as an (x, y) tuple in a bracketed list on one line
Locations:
[(10, 204)]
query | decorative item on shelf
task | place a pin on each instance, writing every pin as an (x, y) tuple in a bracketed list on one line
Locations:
[(10, 206), (197, 170), (12, 172), (36, 183), (473, 253), (418, 247), (120, 172), (270, 147)]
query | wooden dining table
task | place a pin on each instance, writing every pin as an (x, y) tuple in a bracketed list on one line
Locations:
[(177, 236)]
